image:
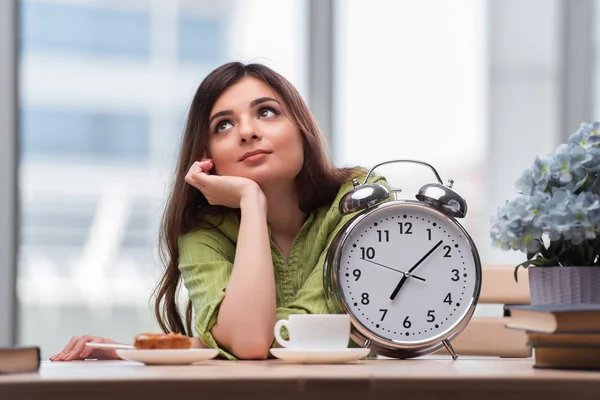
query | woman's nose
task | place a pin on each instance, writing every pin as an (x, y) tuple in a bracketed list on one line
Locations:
[(248, 132)]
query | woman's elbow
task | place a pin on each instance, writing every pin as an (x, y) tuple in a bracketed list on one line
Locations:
[(243, 345), (251, 351)]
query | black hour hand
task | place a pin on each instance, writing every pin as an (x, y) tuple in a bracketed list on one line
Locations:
[(403, 279)]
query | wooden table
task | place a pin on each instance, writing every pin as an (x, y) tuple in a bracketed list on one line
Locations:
[(426, 378)]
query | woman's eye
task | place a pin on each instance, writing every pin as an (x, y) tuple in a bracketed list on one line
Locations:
[(223, 125), (267, 112)]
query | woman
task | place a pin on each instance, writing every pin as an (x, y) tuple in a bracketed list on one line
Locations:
[(252, 211)]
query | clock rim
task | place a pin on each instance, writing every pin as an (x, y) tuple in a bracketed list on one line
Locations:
[(359, 333)]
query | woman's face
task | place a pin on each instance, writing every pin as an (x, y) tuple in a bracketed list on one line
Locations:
[(251, 137)]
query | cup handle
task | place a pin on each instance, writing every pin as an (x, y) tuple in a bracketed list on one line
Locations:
[(281, 323)]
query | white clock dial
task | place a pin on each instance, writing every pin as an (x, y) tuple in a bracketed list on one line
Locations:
[(408, 273)]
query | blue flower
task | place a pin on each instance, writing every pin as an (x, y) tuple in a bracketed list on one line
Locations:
[(535, 178), (593, 162), (560, 166), (587, 135), (517, 225), (557, 213)]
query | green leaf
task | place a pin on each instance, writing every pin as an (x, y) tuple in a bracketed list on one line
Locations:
[(538, 262), (525, 265)]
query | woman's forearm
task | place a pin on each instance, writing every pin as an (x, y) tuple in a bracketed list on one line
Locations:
[(248, 311)]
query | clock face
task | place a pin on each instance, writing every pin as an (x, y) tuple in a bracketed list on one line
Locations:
[(408, 273)]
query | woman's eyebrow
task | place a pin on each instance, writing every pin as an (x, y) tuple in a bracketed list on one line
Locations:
[(220, 114), (253, 103), (262, 100)]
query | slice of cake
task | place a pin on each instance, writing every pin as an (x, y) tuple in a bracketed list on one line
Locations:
[(147, 341)]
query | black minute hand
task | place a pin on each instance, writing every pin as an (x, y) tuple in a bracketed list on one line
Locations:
[(403, 279), (394, 269)]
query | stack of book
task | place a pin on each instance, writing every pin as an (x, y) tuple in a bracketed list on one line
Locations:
[(562, 336)]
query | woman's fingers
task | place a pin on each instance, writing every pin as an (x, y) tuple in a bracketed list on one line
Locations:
[(60, 356), (206, 164), (78, 348), (197, 172), (101, 354), (87, 351), (81, 351)]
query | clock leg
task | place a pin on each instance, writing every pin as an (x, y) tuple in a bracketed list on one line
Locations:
[(450, 349)]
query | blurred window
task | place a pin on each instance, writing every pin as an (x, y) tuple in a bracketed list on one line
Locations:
[(200, 39), (84, 29), (84, 134)]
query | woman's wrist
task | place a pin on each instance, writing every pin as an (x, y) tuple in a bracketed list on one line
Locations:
[(254, 198)]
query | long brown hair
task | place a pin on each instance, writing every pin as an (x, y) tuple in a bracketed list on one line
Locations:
[(317, 183)]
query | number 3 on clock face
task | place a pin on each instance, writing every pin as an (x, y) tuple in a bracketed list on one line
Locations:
[(408, 273)]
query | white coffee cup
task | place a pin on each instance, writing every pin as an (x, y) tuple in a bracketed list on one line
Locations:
[(315, 331)]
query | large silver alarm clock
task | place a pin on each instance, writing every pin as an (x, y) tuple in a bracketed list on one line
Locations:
[(406, 271)]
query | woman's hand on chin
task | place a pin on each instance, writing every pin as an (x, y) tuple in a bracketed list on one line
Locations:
[(219, 190)]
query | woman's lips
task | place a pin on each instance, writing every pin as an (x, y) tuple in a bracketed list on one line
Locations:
[(255, 157)]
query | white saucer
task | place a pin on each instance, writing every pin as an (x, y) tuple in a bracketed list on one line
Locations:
[(168, 357), (335, 356)]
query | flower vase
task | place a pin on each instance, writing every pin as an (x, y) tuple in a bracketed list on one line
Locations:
[(564, 285)]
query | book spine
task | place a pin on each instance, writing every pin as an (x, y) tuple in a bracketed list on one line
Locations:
[(498, 285)]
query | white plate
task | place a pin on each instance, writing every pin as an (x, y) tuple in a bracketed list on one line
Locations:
[(168, 357), (319, 356)]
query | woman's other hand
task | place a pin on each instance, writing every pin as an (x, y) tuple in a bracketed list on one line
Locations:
[(77, 350), (225, 191)]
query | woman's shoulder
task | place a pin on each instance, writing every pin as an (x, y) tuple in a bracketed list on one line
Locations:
[(219, 228)]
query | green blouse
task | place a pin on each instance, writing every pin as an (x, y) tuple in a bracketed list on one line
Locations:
[(206, 260)]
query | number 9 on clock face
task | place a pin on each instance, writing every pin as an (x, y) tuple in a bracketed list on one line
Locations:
[(407, 272)]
